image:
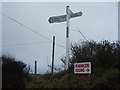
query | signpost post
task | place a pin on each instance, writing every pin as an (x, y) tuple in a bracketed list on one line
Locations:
[(62, 18), (67, 36)]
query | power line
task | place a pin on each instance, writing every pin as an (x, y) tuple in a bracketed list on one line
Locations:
[(25, 26), (60, 40), (60, 45), (30, 29), (23, 44), (80, 33)]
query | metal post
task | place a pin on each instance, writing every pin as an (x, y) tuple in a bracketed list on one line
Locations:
[(67, 36), (53, 54), (35, 67)]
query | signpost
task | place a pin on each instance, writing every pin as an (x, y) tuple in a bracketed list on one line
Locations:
[(62, 18), (82, 68)]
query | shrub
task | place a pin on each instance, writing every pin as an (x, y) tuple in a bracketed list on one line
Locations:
[(14, 73)]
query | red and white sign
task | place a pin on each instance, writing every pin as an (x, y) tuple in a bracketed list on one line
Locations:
[(82, 68)]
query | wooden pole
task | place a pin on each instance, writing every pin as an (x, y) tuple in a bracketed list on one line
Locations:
[(35, 67), (53, 54)]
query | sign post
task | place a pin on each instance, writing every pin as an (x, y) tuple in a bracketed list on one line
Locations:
[(67, 36), (62, 18)]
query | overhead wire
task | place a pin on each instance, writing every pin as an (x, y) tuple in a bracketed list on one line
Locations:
[(80, 33), (25, 26), (23, 44), (60, 45), (60, 40)]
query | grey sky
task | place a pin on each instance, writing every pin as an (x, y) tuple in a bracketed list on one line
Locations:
[(98, 22)]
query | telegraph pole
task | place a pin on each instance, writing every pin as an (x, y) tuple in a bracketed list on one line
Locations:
[(35, 67), (53, 55)]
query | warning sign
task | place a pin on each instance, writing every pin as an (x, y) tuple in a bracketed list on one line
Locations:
[(82, 68)]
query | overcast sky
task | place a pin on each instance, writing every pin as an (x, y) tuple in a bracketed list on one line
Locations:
[(98, 22)]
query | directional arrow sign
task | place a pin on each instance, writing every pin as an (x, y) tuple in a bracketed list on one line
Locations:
[(82, 68), (62, 18), (76, 14), (87, 70), (56, 19)]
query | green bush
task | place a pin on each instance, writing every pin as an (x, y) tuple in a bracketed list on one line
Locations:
[(14, 73), (105, 67)]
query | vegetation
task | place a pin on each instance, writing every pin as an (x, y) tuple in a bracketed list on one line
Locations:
[(105, 68), (14, 73), (102, 55)]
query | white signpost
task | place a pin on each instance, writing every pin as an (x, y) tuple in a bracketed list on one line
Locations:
[(62, 18), (82, 68)]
